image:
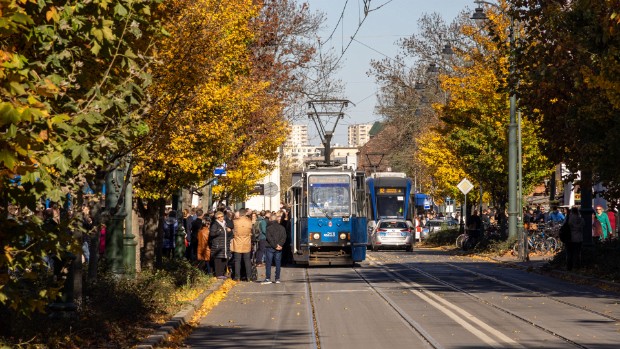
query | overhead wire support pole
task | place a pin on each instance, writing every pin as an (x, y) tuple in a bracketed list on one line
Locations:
[(515, 229), (327, 108)]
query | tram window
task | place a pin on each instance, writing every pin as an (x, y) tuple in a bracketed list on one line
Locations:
[(390, 206), (329, 199)]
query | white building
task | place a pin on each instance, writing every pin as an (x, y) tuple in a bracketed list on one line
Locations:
[(298, 154), (267, 191), (297, 137), (358, 134)]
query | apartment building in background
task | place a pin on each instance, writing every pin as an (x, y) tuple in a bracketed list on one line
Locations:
[(358, 134), (298, 136)]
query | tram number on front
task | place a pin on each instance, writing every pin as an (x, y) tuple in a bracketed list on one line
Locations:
[(345, 219), (330, 234)]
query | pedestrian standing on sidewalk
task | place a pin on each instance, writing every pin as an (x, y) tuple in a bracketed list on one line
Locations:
[(203, 251), (573, 248), (220, 237), (604, 220), (170, 225), (262, 238), (242, 244), (276, 237), (611, 215), (196, 224)]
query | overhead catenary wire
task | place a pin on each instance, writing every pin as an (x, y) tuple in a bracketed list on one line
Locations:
[(340, 19)]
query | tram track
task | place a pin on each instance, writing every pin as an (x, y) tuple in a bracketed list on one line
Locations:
[(314, 324), (533, 292), (481, 300), (416, 328), (424, 337)]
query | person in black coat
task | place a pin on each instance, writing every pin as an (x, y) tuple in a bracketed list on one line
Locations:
[(219, 239), (287, 252), (276, 237)]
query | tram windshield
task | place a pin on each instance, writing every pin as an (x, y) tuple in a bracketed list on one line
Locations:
[(329, 196), (391, 206)]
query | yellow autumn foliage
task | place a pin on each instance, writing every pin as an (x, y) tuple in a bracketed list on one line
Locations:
[(441, 161), (471, 141), (208, 106)]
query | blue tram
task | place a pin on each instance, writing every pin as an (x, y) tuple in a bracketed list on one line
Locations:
[(389, 195), (328, 221)]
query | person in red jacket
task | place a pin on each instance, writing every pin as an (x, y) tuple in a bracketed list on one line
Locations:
[(611, 214)]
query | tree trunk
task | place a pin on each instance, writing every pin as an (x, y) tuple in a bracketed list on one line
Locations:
[(93, 263), (585, 185), (152, 235)]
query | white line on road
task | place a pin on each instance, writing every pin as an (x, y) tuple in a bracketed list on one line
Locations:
[(463, 317)]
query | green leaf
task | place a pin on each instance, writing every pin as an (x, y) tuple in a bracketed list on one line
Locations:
[(60, 118), (108, 34), (55, 195), (22, 18), (120, 10), (62, 163), (129, 54), (8, 158), (97, 33), (17, 88), (12, 131), (8, 114)]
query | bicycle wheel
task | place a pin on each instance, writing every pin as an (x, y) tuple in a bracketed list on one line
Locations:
[(459, 240), (552, 243)]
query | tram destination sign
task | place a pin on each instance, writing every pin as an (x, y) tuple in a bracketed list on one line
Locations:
[(391, 191)]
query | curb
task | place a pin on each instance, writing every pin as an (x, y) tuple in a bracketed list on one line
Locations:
[(179, 319)]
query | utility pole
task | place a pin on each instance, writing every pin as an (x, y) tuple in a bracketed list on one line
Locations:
[(322, 112)]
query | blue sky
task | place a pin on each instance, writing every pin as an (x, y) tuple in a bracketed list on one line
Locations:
[(382, 28)]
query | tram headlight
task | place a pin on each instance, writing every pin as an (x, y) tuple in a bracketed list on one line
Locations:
[(316, 236), (343, 236)]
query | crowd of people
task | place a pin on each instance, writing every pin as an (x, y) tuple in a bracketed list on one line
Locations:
[(226, 243)]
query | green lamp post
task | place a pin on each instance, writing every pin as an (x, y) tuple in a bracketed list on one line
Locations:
[(129, 242), (115, 225)]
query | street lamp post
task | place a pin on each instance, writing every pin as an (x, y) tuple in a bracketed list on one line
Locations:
[(514, 165)]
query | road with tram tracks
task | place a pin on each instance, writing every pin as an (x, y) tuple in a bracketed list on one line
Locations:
[(421, 299)]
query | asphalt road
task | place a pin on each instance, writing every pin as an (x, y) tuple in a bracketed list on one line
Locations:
[(420, 299)]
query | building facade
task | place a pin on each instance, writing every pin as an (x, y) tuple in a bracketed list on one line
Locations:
[(297, 137), (358, 134)]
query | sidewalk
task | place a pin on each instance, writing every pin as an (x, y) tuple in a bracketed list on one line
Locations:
[(178, 320), (540, 264)]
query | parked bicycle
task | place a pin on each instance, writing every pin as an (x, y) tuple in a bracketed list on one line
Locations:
[(476, 239), (541, 239)]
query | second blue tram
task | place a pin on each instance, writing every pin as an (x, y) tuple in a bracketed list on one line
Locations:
[(328, 221), (389, 195)]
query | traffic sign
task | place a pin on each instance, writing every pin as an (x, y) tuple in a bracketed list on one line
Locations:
[(465, 186), (270, 189), (220, 171)]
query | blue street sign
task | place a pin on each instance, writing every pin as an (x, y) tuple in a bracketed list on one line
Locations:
[(220, 171)]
